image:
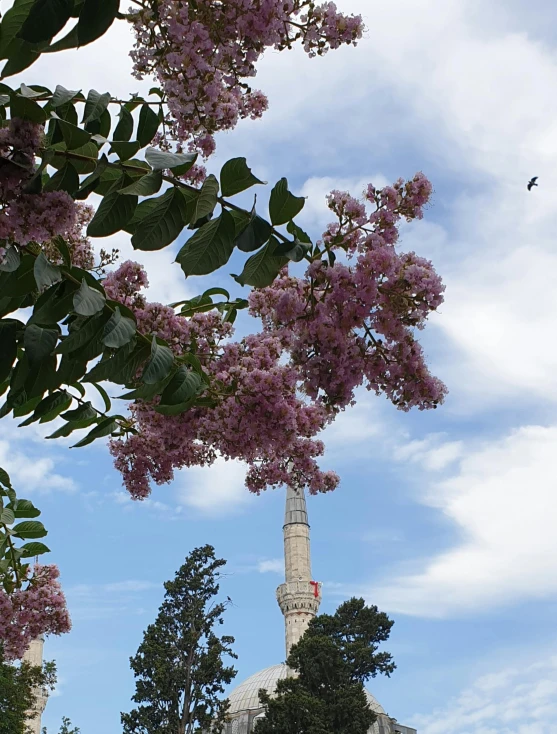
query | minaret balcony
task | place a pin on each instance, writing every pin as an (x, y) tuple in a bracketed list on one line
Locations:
[(303, 596)]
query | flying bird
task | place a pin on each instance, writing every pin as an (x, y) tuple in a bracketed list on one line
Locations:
[(532, 182)]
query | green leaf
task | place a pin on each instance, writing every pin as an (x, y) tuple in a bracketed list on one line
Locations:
[(73, 136), (95, 19), (217, 292), (88, 301), (146, 185), (45, 273), (124, 128), (114, 212), (184, 385), (102, 392), (209, 248), (175, 409), (87, 162), (30, 550), (27, 109), (236, 176), (20, 56), (262, 268), (8, 347), (159, 364), (45, 20), (83, 413), (284, 206), (67, 429), (294, 251), (207, 199), (61, 96), (109, 368), (54, 304), (160, 160), (31, 93), (104, 428), (124, 150), (5, 479), (148, 125), (162, 224), (299, 233), (11, 260), (95, 106), (66, 179), (12, 22), (62, 246), (21, 282), (254, 235), (39, 342), (68, 41), (7, 516), (50, 407), (118, 331), (41, 378), (29, 529), (24, 508)]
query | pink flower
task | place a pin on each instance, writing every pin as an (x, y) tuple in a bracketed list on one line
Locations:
[(201, 54), (38, 609)]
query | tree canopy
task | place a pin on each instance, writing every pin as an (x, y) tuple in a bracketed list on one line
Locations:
[(180, 666), (332, 662)]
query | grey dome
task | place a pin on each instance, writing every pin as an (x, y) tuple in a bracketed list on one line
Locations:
[(246, 696)]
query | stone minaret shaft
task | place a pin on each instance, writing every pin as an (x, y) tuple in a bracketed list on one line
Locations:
[(299, 597), (34, 656)]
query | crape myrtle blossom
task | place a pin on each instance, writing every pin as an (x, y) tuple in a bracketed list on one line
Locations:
[(324, 334), (202, 53), (38, 609), (27, 217)]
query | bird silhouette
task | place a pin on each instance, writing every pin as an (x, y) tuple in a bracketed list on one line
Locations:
[(532, 182)]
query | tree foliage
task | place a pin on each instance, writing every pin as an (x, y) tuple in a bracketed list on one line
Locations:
[(65, 728), (332, 662), (76, 334), (180, 667), (18, 692)]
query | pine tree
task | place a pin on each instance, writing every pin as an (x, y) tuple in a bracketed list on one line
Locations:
[(332, 662), (179, 667)]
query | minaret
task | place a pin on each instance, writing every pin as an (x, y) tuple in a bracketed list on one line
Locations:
[(299, 597), (34, 656)]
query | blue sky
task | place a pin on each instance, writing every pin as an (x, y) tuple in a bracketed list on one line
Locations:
[(445, 519)]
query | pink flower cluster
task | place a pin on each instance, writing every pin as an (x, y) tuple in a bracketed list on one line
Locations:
[(36, 610), (201, 52), (339, 326), (79, 245), (349, 324), (28, 217)]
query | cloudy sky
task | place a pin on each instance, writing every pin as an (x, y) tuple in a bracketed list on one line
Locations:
[(446, 519)]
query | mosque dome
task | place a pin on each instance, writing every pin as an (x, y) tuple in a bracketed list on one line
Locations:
[(245, 697)]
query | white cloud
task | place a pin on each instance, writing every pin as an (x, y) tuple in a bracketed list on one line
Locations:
[(271, 565), (215, 490), (520, 699), (29, 468), (501, 501), (433, 452)]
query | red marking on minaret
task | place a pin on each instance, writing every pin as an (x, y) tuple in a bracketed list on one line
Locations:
[(315, 585)]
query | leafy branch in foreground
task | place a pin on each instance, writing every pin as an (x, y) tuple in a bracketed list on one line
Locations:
[(31, 600)]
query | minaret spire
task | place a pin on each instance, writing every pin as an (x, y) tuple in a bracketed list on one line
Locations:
[(299, 597)]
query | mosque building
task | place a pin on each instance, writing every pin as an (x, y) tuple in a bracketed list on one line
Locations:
[(299, 598)]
